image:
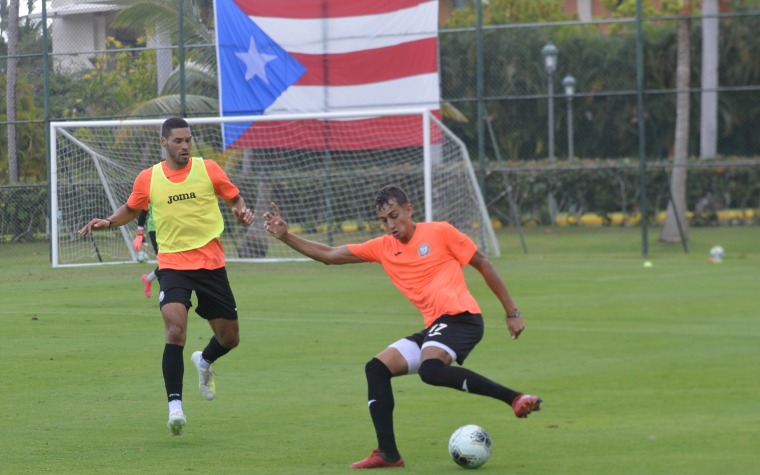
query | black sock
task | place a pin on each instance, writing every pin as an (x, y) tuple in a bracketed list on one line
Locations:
[(438, 373), (174, 369), (214, 350), (381, 404)]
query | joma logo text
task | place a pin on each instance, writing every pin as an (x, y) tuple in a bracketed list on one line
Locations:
[(183, 196)]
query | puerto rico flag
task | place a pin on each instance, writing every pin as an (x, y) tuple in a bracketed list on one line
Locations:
[(293, 56)]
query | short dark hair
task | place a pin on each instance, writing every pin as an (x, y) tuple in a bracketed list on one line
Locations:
[(171, 124), (388, 193)]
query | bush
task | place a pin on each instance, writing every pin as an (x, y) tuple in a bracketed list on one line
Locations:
[(23, 213), (610, 187)]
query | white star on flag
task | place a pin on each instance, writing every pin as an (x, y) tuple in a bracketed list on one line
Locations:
[(255, 62)]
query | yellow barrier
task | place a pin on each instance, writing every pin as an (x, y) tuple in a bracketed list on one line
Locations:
[(618, 218)]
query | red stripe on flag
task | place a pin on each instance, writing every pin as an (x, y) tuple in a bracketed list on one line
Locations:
[(370, 66), (365, 134), (323, 8)]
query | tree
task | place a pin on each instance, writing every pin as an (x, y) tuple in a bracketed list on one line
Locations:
[(160, 17), (676, 224), (499, 12), (10, 90), (676, 221), (118, 79)]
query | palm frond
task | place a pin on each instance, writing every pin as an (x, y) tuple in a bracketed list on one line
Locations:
[(163, 14), (164, 106), (197, 78)]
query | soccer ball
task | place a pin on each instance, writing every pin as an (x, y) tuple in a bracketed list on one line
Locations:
[(717, 253), (142, 256), (470, 446)]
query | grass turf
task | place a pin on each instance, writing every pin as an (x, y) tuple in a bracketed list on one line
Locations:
[(643, 370)]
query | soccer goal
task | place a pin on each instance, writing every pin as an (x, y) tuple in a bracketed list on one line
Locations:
[(322, 170)]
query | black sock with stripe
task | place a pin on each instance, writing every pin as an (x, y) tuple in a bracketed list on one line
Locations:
[(381, 404), (438, 373)]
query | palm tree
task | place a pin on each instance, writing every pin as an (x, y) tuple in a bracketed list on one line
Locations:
[(676, 221), (10, 90), (159, 19)]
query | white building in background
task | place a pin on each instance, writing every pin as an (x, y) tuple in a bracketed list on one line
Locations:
[(78, 30)]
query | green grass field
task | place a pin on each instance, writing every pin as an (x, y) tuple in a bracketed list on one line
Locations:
[(642, 370)]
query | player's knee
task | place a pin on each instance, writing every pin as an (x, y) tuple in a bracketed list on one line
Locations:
[(376, 368), (230, 341), (431, 371), (176, 335)]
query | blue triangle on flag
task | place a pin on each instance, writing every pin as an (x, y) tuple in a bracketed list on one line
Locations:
[(253, 70)]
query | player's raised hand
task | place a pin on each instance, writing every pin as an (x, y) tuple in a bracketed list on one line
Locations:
[(97, 224), (274, 224)]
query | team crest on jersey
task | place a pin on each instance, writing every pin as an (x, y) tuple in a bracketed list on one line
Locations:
[(423, 250)]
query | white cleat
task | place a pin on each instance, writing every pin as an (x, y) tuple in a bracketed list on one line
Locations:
[(205, 377), (177, 423)]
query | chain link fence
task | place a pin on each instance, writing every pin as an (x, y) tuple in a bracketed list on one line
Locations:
[(559, 154)]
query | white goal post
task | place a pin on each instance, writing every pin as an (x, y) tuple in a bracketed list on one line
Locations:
[(323, 171)]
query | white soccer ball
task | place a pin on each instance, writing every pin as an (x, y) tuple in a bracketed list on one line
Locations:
[(717, 253), (142, 256), (470, 446)]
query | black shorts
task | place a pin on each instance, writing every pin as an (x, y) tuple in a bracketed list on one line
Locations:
[(211, 287), (460, 333)]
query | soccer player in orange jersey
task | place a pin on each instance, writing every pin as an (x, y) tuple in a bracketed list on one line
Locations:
[(424, 261), (182, 193)]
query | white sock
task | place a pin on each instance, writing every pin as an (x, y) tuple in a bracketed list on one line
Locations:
[(152, 276), (175, 406), (203, 363)]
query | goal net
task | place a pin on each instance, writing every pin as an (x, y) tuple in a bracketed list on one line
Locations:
[(322, 170)]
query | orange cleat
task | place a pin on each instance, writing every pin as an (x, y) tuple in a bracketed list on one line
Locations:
[(376, 460), (524, 404), (146, 285)]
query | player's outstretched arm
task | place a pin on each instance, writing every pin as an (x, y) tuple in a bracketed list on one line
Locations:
[(278, 227), (493, 279), (120, 217)]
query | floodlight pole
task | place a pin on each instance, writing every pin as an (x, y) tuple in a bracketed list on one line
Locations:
[(550, 52), (480, 107), (569, 84)]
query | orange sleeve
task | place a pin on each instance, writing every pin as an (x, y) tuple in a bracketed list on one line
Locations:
[(223, 187), (140, 197), (460, 244), (370, 251)]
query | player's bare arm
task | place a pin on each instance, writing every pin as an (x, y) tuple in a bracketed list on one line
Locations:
[(480, 262), (120, 217), (278, 227), (240, 210)]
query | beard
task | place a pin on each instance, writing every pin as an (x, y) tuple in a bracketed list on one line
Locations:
[(178, 157)]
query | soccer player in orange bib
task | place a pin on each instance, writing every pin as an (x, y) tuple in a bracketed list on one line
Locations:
[(182, 193), (424, 261)]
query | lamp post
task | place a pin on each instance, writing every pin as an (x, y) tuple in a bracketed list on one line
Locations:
[(569, 84), (550, 52)]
